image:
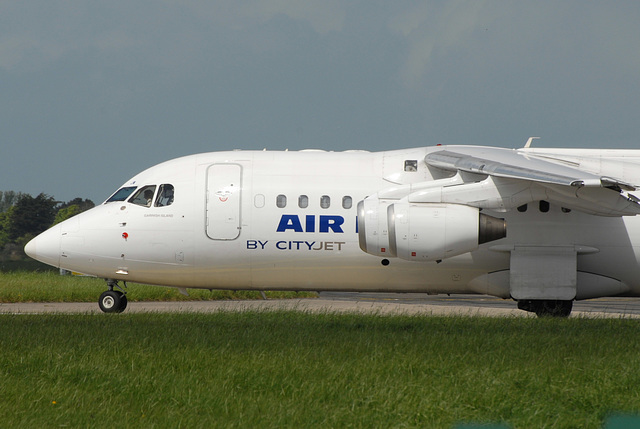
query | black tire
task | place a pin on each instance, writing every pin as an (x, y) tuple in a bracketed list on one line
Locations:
[(123, 302), (112, 302), (554, 308)]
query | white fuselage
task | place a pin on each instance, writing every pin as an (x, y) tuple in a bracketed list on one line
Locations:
[(288, 220)]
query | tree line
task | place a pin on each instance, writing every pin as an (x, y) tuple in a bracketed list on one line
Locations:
[(23, 216)]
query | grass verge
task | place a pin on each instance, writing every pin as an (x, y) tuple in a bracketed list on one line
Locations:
[(294, 369), (49, 286)]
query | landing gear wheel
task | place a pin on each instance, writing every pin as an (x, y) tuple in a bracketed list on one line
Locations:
[(554, 308), (123, 302), (112, 301), (547, 307)]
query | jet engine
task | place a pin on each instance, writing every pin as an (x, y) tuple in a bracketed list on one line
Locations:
[(424, 232)]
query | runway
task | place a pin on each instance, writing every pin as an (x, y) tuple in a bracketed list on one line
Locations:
[(343, 302)]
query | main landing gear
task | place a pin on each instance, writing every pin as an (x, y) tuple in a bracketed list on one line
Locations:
[(113, 301), (546, 307)]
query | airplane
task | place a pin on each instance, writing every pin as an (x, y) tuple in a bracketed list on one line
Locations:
[(541, 226)]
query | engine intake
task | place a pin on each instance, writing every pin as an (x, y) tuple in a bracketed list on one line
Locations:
[(373, 227)]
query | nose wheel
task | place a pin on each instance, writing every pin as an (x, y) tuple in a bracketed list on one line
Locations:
[(113, 301)]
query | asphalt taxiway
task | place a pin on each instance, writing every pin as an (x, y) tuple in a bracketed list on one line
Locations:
[(380, 303)]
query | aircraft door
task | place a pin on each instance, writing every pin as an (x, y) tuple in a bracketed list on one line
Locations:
[(224, 189)]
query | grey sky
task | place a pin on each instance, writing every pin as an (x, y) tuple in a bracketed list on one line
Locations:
[(93, 92)]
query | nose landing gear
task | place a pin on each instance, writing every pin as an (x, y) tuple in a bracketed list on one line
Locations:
[(113, 301)]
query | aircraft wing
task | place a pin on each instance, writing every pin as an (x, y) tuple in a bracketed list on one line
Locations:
[(566, 184)]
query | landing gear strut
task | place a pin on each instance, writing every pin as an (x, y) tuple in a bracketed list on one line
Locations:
[(546, 307), (113, 301)]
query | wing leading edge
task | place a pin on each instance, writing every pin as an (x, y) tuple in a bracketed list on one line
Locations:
[(560, 183)]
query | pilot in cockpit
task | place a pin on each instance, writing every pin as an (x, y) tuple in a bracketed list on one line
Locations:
[(148, 196), (169, 195), (165, 196)]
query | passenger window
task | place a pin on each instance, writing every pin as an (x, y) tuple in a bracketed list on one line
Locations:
[(121, 194), (411, 165), (347, 202), (281, 201), (303, 201), (144, 196), (325, 201), (522, 208), (165, 196), (258, 201)]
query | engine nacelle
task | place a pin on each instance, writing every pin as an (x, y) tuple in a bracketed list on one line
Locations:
[(431, 232), (373, 227)]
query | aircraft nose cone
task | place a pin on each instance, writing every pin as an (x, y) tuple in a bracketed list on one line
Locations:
[(46, 247)]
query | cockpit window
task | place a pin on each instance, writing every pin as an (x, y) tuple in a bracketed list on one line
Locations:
[(121, 194), (165, 196), (144, 196)]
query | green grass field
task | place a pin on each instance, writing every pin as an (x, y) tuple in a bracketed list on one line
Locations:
[(294, 369), (49, 286)]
